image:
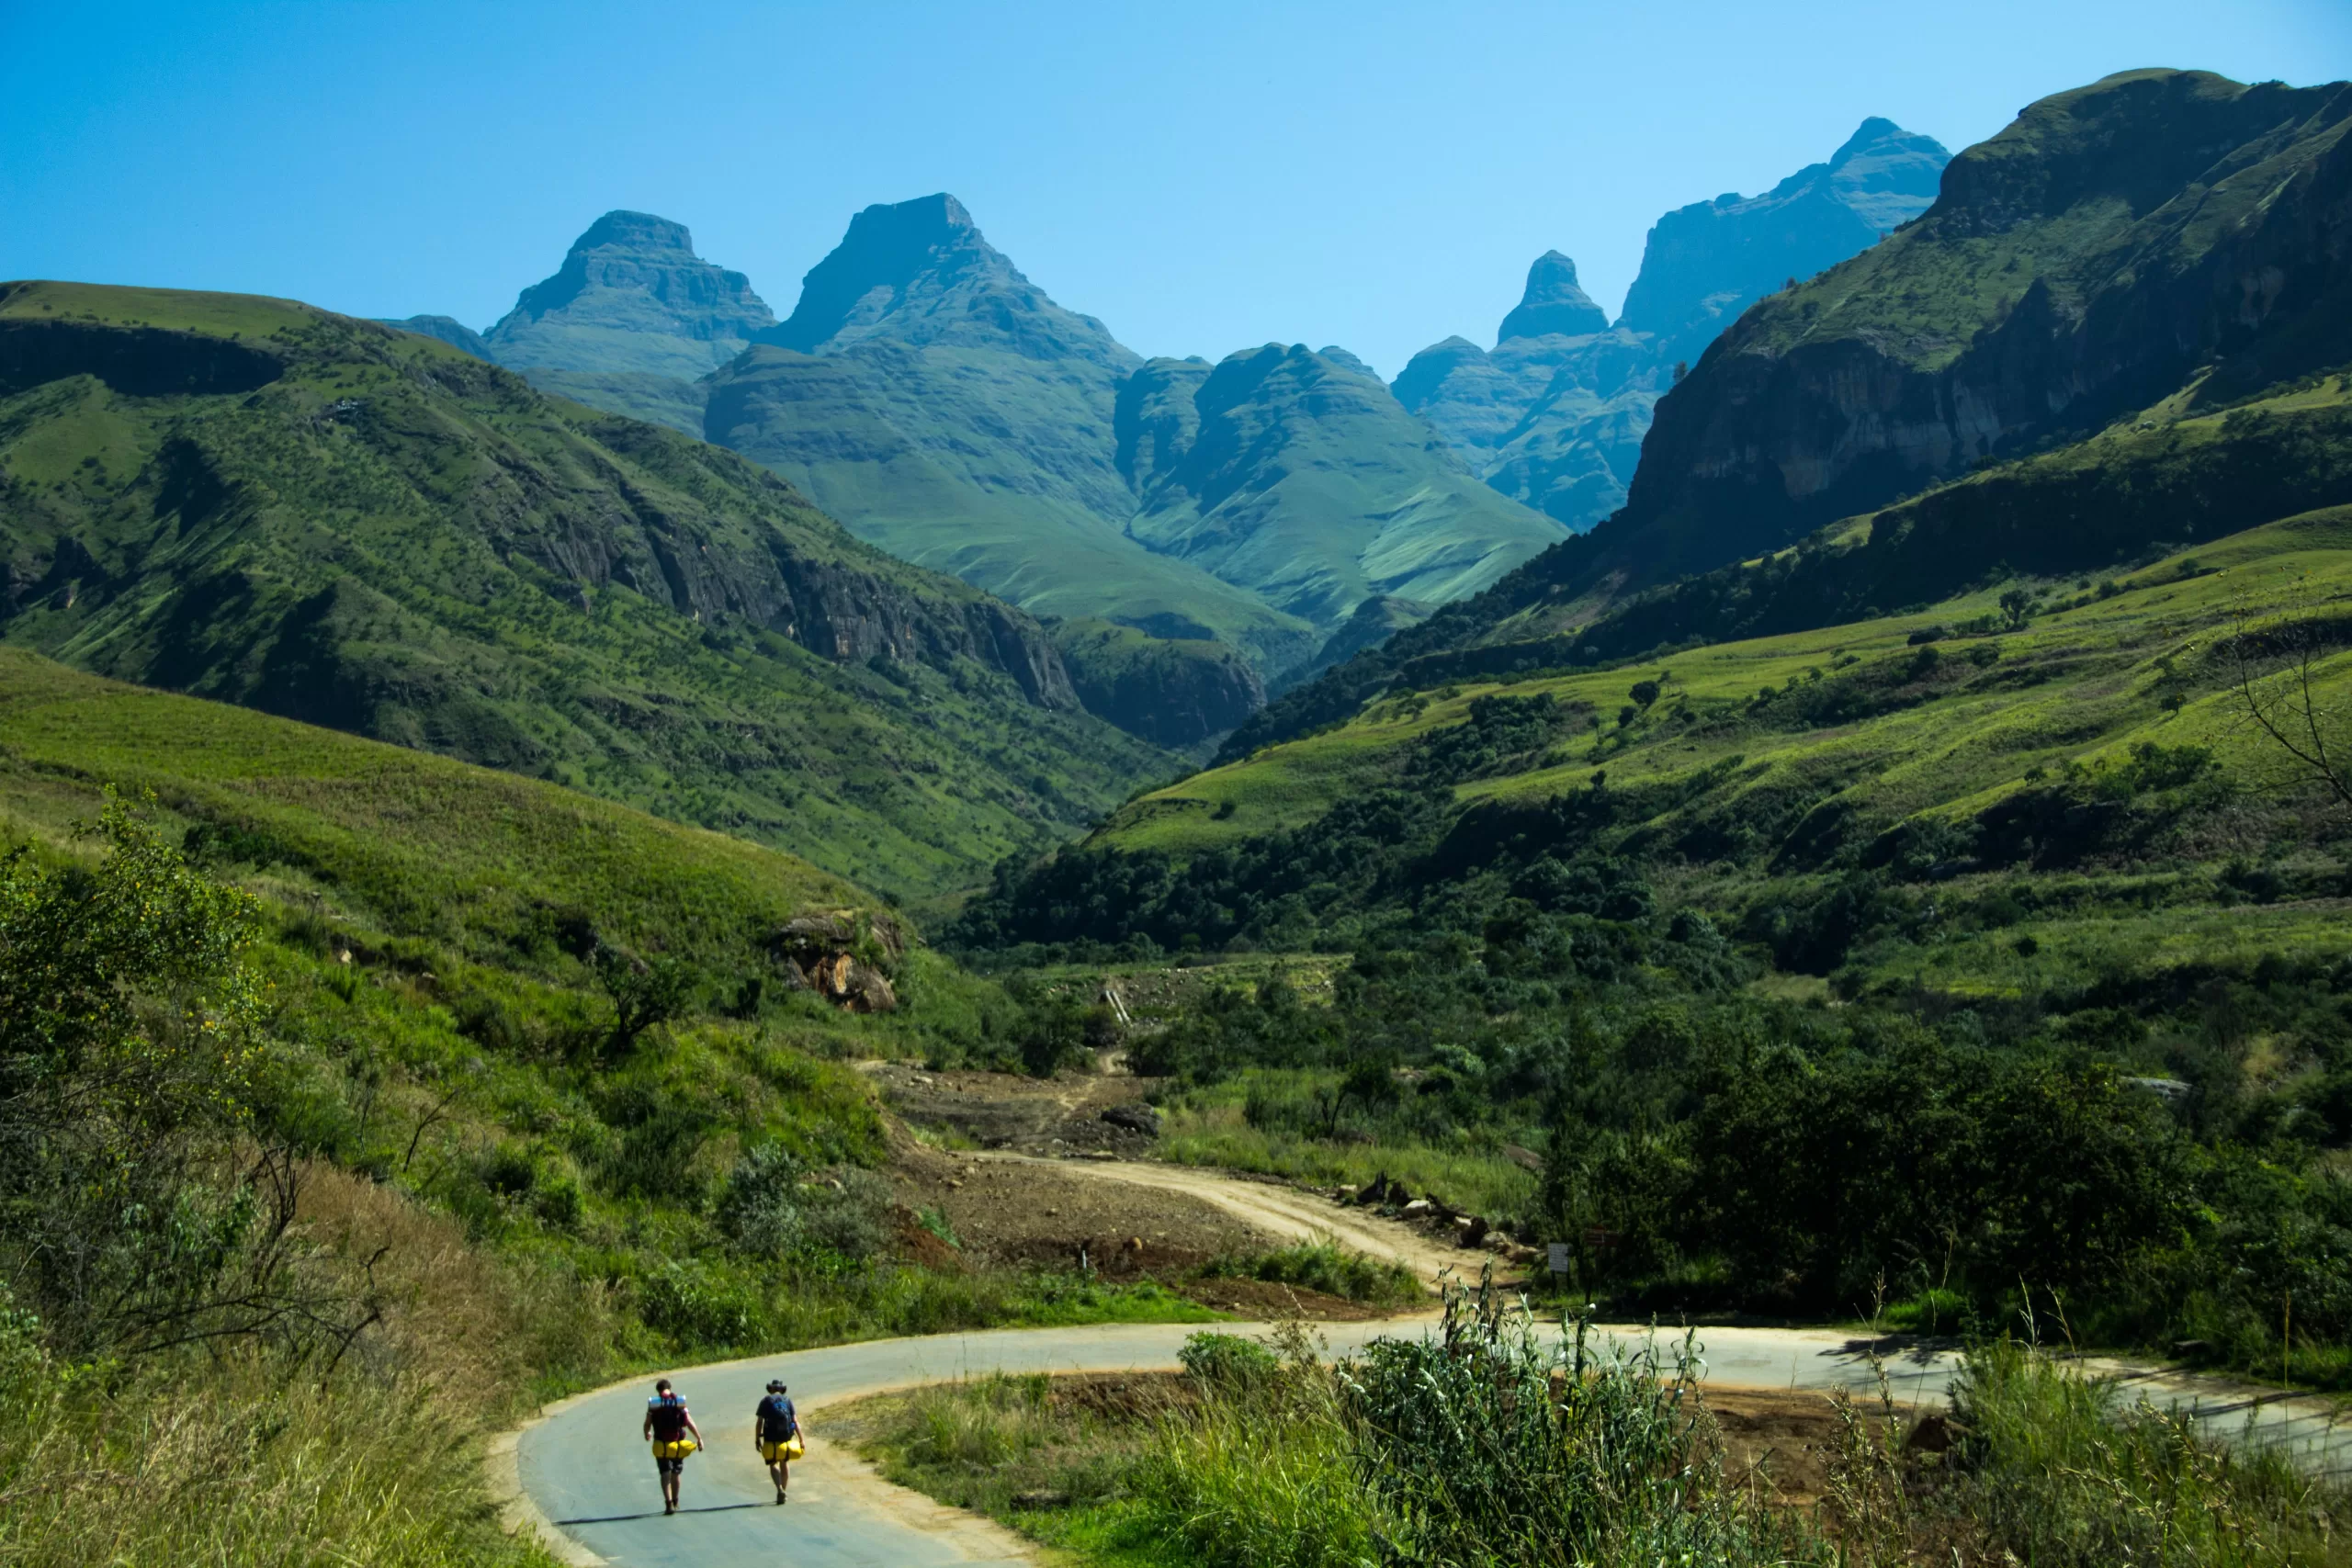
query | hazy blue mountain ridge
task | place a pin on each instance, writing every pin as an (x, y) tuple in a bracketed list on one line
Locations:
[(1556, 414)]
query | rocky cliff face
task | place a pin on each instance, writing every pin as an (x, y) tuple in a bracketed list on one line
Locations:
[(2115, 244), (1556, 414), (631, 296), (1171, 692)]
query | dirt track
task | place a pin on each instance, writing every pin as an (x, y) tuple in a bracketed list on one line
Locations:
[(1280, 1214)]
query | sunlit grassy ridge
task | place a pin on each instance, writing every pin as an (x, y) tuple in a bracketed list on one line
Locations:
[(1747, 746), (417, 843)]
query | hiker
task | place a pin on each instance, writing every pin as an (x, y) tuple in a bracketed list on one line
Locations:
[(672, 1427), (776, 1432)]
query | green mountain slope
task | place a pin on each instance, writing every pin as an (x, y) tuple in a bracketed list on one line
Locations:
[(1901, 799), (256, 501), (1556, 414), (1296, 474), (404, 842), (946, 409), (2146, 252), (1175, 692)]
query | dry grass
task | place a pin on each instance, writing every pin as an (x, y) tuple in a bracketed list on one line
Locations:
[(245, 1458)]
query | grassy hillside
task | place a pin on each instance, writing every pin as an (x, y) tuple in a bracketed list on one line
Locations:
[(989, 465), (1749, 778), (524, 1070), (1299, 477), (1936, 964), (320, 517)]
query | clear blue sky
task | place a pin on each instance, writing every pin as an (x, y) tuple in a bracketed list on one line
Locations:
[(1202, 178)]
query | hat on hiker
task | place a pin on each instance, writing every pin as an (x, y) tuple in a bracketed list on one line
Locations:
[(774, 1386)]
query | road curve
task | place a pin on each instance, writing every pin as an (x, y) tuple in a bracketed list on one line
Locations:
[(579, 1475), (585, 1480)]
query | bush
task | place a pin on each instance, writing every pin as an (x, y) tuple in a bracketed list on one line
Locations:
[(1324, 1266), (1227, 1361), (775, 1206), (699, 1308), (1488, 1447)]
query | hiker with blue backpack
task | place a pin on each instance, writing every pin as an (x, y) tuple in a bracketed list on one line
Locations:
[(776, 1431)]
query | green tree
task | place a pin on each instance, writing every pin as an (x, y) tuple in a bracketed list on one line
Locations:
[(126, 1056), (644, 992)]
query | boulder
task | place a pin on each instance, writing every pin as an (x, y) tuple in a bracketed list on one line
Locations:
[(1136, 1118)]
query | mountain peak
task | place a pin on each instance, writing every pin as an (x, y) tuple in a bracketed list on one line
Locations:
[(918, 273), (1706, 263), (1876, 128), (631, 296), (1885, 175), (623, 229), (1554, 303), (891, 248)]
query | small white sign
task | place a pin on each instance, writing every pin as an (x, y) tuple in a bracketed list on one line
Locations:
[(1559, 1251)]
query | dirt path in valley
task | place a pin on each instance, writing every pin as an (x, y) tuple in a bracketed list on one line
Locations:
[(1280, 1212)]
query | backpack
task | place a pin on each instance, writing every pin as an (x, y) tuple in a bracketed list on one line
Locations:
[(669, 1414)]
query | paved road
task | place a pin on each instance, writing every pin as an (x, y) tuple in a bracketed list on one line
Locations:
[(582, 1468)]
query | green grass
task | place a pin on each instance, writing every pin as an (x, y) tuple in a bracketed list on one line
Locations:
[(1325, 1267), (2070, 1472), (2075, 689), (1209, 1126)]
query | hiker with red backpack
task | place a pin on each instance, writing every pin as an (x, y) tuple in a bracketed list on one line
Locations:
[(670, 1425)]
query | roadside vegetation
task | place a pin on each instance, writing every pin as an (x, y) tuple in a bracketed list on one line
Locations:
[(1501, 1442)]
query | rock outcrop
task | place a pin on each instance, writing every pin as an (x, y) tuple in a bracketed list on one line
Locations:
[(843, 957)]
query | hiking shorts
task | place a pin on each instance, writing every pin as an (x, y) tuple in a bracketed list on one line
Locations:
[(668, 1466)]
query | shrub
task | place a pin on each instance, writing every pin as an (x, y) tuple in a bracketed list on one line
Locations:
[(1227, 1361)]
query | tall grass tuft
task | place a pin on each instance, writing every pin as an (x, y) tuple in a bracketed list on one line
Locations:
[(222, 1460), (1488, 1448), (1264, 1472), (2065, 1475)]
